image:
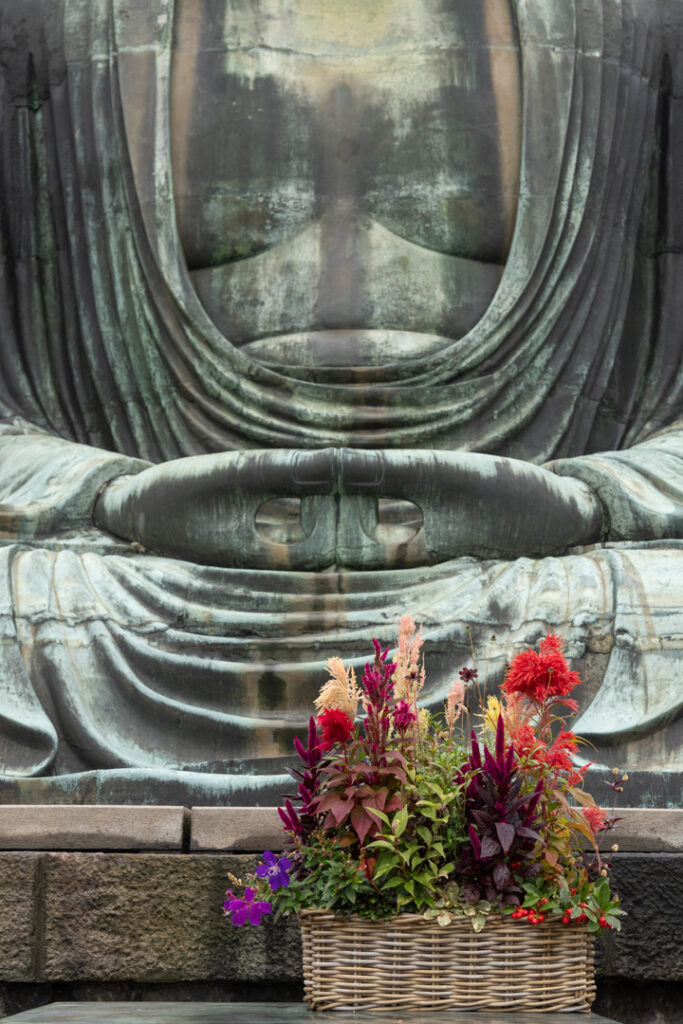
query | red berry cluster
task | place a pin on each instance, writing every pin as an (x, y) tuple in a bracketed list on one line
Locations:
[(583, 917), (537, 915), (532, 915)]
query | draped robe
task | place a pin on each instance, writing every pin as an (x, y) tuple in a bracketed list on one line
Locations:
[(125, 674)]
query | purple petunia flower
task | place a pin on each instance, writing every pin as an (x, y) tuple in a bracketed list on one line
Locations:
[(247, 909), (274, 870)]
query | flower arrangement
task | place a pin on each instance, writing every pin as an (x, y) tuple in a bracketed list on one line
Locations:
[(399, 811)]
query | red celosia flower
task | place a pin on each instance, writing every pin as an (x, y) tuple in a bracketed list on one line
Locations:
[(596, 818), (523, 739), (558, 753), (337, 727), (543, 675), (403, 716)]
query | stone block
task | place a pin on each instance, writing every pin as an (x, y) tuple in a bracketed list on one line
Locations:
[(19, 875), (645, 830), (650, 945), (155, 918), (74, 827), (250, 829)]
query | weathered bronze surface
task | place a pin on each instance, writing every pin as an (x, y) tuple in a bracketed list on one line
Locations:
[(313, 314)]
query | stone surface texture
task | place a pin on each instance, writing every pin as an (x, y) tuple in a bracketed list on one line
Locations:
[(73, 827), (151, 917), (157, 918), (251, 829), (650, 945), (20, 932)]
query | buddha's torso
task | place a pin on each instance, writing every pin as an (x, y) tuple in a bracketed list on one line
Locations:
[(344, 167)]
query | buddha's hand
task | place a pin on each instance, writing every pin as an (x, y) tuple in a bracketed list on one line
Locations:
[(356, 509), (468, 504), (248, 509)]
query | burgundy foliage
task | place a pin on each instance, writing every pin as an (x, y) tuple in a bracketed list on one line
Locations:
[(502, 824)]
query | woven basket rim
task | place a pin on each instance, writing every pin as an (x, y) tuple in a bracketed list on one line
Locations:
[(494, 917)]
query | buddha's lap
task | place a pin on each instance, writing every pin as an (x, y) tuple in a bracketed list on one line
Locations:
[(239, 654)]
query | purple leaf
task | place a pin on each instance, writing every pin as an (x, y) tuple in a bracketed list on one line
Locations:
[(505, 833), (527, 833), (489, 847), (471, 892), (501, 876), (482, 818)]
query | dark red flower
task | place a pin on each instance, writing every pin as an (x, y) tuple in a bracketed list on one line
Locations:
[(336, 726), (468, 675), (543, 675), (404, 716)]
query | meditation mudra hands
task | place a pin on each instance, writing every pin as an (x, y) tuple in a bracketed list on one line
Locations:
[(348, 508)]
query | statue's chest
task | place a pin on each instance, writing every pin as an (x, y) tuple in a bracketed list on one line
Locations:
[(278, 119)]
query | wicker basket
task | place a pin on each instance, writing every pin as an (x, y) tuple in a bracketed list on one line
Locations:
[(409, 963)]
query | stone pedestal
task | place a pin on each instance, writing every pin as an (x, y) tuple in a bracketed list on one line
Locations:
[(126, 903)]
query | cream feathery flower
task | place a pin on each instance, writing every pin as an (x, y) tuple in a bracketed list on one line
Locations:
[(409, 676), (340, 692), (455, 703)]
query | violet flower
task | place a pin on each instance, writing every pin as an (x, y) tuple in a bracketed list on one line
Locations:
[(246, 909), (274, 870)]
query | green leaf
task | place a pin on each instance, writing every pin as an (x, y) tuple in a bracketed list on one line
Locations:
[(425, 834), (385, 862), (438, 790), (426, 879), (400, 822), (380, 815)]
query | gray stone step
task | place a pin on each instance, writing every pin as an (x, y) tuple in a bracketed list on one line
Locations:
[(268, 1013)]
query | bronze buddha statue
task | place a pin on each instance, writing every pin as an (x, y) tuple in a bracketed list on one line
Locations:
[(315, 314)]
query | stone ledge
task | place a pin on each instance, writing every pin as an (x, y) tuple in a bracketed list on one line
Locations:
[(77, 827), (248, 829), (253, 829), (645, 830), (240, 829)]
